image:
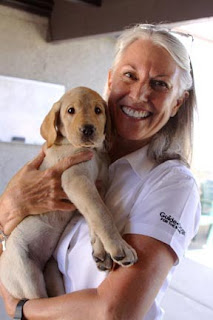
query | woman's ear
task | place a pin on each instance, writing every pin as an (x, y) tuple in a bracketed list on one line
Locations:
[(107, 86), (109, 81), (179, 103)]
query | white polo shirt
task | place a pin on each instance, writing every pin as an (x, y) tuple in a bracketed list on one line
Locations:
[(160, 201)]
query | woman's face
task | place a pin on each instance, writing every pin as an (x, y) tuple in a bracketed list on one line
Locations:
[(143, 90)]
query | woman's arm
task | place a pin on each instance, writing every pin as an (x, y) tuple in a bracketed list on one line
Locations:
[(127, 293), (33, 192)]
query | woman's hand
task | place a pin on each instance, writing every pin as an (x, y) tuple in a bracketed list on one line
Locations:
[(9, 302), (33, 192)]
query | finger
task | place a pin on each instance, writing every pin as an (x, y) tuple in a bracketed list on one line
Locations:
[(44, 147), (64, 206), (37, 161), (68, 162), (62, 195)]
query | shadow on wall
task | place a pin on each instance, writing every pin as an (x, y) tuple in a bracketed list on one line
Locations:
[(12, 157)]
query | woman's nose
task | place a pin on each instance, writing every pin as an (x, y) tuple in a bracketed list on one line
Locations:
[(140, 92)]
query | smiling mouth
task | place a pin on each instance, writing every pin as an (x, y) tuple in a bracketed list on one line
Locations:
[(135, 113)]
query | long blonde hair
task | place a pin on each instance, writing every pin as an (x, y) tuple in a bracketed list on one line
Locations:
[(174, 140)]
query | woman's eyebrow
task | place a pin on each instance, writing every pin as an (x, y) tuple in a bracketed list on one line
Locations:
[(129, 65), (162, 75)]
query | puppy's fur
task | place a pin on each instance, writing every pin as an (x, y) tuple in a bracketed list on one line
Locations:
[(76, 122)]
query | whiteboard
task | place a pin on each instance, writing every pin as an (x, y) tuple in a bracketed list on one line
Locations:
[(23, 106)]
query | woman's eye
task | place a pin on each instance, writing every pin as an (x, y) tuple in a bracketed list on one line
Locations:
[(159, 84), (71, 110), (97, 110), (130, 75)]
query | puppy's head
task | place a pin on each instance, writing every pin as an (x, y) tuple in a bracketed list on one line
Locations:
[(81, 116)]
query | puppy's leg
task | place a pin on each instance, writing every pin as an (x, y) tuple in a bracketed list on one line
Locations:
[(20, 269), (53, 279), (30, 282), (83, 193)]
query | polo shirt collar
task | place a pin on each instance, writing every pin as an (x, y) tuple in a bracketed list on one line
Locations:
[(139, 161)]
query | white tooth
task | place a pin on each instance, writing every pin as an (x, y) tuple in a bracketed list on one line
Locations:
[(135, 113)]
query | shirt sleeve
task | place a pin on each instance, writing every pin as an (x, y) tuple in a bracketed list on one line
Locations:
[(167, 209)]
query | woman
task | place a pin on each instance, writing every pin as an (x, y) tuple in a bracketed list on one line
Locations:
[(152, 194)]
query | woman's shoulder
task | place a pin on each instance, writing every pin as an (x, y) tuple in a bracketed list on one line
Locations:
[(172, 168), (171, 175)]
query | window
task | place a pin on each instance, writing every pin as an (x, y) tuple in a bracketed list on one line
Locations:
[(23, 106)]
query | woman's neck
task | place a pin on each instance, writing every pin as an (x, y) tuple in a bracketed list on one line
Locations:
[(121, 147)]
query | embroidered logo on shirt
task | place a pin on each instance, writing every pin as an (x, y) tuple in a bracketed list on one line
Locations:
[(172, 222)]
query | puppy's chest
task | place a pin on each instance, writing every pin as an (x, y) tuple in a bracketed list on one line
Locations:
[(54, 155), (96, 168)]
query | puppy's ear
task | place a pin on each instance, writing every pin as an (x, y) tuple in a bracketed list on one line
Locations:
[(48, 128), (108, 129)]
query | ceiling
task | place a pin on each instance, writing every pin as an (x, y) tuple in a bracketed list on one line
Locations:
[(42, 7), (79, 18), (74, 19)]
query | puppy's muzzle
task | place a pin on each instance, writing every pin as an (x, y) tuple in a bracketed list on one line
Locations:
[(87, 130)]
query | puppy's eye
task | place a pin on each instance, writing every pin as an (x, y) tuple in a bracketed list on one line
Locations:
[(71, 110), (97, 110)]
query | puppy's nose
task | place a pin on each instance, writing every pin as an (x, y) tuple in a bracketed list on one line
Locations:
[(88, 130)]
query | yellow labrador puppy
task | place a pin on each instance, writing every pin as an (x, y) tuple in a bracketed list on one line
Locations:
[(78, 121)]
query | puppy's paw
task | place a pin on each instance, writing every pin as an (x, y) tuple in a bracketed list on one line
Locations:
[(101, 257), (104, 265), (125, 255)]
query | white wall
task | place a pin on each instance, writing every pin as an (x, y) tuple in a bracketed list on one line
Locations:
[(23, 106), (25, 53)]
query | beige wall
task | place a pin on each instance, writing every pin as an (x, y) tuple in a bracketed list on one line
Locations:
[(25, 53)]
